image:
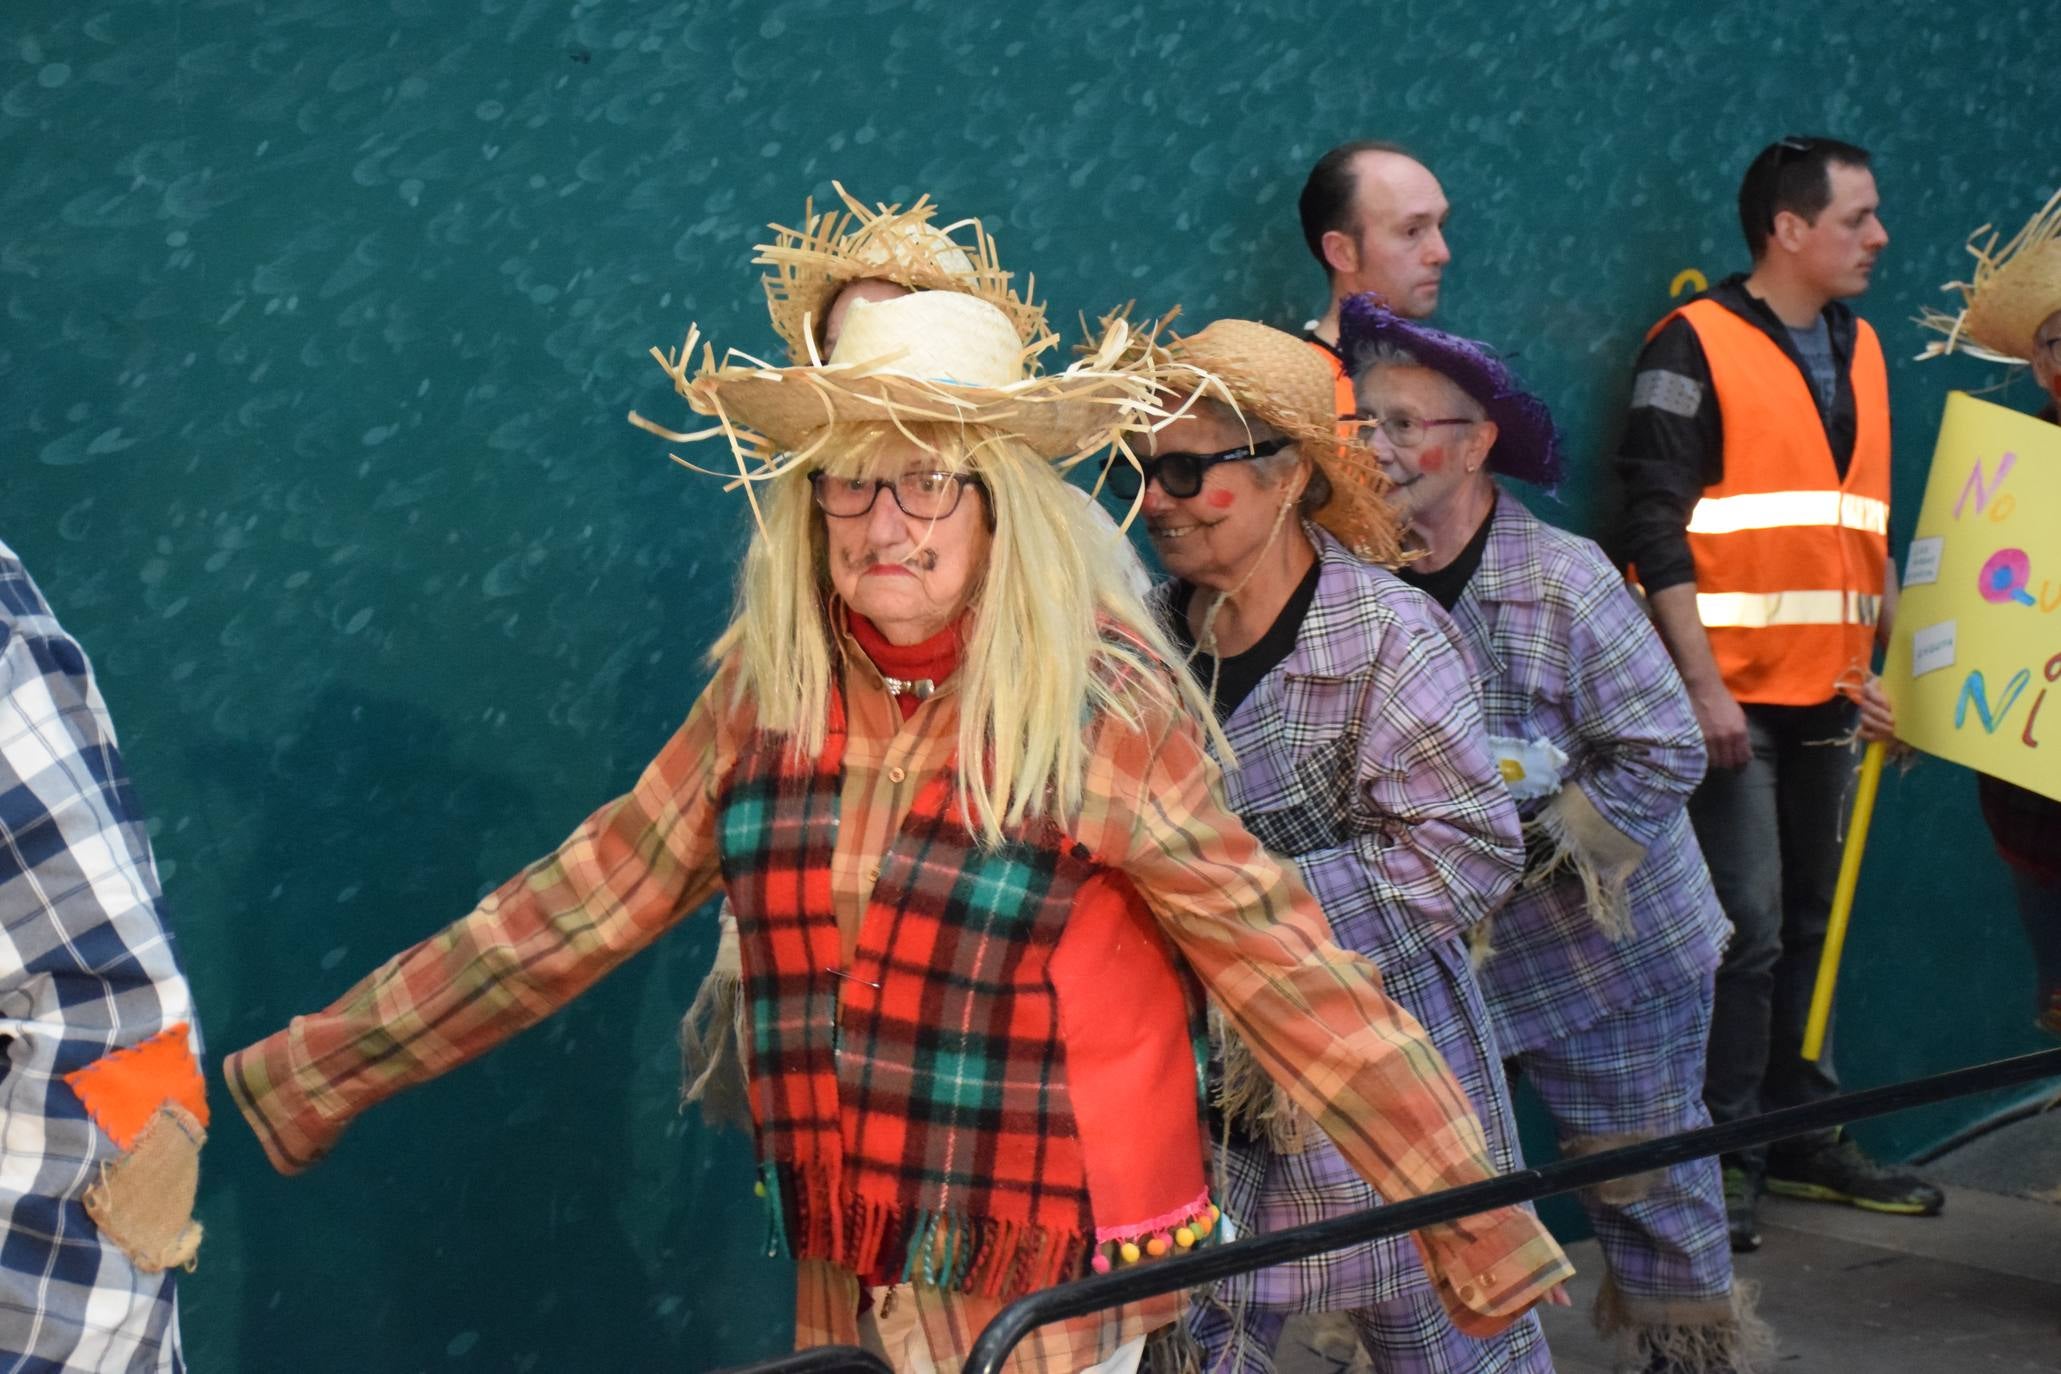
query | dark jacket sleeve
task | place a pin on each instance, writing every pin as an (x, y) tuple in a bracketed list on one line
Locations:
[(1673, 448)]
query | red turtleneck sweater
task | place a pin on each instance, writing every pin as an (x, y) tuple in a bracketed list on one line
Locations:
[(935, 658)]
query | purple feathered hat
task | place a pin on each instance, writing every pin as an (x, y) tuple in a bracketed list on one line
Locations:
[(1527, 446)]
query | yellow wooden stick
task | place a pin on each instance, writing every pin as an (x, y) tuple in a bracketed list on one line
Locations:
[(1842, 901)]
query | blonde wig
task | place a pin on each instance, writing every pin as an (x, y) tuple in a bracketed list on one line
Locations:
[(1054, 598)]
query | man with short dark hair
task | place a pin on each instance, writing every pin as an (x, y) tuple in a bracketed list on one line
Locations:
[(1756, 469), (1374, 218)]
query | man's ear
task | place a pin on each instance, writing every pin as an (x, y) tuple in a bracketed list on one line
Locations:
[(1788, 230), (1341, 253)]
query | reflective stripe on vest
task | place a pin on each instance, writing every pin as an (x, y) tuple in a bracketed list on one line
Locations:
[(1757, 610), (1767, 510), (1790, 557)]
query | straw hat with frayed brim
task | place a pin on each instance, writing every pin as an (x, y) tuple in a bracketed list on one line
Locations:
[(2014, 290), (936, 357), (1527, 443), (812, 264), (1266, 375)]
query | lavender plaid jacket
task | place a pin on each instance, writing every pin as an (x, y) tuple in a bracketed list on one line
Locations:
[(1561, 651), (1361, 756)]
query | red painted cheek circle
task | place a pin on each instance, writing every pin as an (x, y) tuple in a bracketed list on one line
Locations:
[(1219, 499), (1431, 460)]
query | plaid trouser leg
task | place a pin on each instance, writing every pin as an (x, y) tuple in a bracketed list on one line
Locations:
[(1412, 1335), (1240, 1342), (1638, 1073)]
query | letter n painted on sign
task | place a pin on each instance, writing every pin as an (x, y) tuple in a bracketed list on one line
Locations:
[(1974, 691), (1983, 489)]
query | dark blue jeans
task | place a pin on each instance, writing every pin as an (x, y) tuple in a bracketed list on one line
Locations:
[(1771, 834)]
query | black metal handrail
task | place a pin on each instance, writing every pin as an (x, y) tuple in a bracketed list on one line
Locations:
[(1198, 1267)]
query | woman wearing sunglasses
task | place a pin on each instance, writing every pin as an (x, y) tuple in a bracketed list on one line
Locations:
[(1359, 754)]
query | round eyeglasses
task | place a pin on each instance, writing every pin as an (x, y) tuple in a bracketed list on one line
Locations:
[(923, 494), (1179, 474), (1404, 433)]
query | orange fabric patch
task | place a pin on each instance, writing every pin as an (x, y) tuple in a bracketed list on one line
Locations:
[(124, 1090)]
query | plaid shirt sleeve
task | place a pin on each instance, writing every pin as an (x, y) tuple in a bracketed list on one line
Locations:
[(628, 874), (1436, 838), (87, 969), (1644, 750), (1313, 1014)]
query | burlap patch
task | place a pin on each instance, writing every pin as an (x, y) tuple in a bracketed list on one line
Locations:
[(144, 1201)]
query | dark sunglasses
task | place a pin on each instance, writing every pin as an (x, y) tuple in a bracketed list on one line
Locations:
[(1179, 474)]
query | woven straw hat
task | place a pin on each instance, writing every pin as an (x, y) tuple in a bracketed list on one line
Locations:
[(933, 357), (2015, 289), (812, 264), (1279, 379)]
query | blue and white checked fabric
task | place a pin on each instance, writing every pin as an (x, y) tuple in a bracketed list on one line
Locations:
[(1362, 758), (1562, 652), (86, 968)]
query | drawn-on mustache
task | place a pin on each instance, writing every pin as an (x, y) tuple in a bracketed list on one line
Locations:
[(916, 560)]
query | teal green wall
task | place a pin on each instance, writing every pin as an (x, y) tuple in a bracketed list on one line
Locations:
[(320, 321)]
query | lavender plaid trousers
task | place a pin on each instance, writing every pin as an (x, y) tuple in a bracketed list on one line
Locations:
[(1638, 1072)]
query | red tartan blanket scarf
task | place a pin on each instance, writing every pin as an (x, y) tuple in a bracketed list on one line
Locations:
[(1002, 1087)]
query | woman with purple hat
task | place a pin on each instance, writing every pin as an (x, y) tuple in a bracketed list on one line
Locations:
[(1598, 972)]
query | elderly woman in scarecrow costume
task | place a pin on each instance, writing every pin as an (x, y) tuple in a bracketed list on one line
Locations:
[(814, 276), (1599, 970), (1359, 754), (2011, 313), (970, 899)]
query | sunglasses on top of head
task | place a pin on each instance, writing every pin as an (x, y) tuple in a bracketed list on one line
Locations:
[(1179, 474)]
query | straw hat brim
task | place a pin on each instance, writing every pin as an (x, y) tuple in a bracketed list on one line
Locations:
[(2007, 316), (2014, 290), (1057, 416)]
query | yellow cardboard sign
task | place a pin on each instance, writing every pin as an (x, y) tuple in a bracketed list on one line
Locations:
[(1976, 649)]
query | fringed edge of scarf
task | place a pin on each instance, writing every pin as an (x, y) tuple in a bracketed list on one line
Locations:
[(1250, 1099), (984, 1257), (1716, 1336), (1574, 836), (712, 1037)]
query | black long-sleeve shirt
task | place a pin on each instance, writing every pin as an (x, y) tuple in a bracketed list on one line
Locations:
[(1674, 442)]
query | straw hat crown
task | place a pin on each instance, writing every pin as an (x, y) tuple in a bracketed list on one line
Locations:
[(812, 264), (1268, 373), (2014, 289)]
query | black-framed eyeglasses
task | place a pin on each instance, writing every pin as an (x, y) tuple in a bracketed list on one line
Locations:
[(922, 493), (1405, 433), (1179, 474)]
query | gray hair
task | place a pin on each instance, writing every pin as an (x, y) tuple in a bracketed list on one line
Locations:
[(1386, 354)]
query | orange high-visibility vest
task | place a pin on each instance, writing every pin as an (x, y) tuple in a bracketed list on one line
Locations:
[(1347, 401), (1789, 557)]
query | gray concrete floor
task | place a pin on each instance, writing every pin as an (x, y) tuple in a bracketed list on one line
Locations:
[(1848, 1292)]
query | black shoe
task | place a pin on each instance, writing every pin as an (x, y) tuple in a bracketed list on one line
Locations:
[(1742, 1209), (1840, 1171)]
